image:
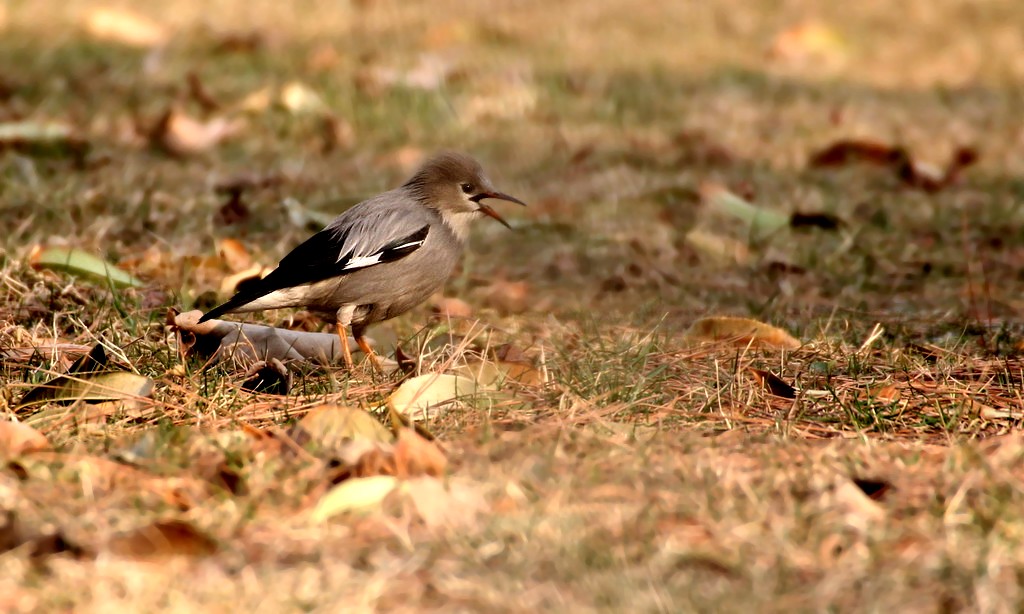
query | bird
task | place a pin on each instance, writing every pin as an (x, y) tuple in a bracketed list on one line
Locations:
[(381, 257)]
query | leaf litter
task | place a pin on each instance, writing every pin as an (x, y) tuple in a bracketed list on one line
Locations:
[(620, 466)]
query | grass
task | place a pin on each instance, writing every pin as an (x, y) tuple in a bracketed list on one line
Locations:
[(649, 473)]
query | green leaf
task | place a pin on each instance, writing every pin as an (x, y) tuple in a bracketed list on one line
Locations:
[(84, 264)]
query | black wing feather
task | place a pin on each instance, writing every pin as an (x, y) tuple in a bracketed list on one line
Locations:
[(314, 260)]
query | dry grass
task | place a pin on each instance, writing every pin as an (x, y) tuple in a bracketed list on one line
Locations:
[(648, 474)]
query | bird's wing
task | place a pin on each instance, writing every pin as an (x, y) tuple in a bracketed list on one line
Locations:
[(369, 234)]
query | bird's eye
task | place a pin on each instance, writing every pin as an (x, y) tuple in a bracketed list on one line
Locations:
[(467, 188)]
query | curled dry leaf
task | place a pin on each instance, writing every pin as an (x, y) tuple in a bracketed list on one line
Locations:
[(81, 263), (91, 388), (250, 343), (774, 384), (163, 538), (234, 255), (17, 438), (125, 27), (740, 332), (910, 171), (415, 456), (430, 395), (181, 135)]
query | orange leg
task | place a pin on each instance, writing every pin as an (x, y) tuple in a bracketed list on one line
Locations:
[(365, 347), (346, 353)]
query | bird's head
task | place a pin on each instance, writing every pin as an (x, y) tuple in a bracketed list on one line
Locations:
[(455, 185)]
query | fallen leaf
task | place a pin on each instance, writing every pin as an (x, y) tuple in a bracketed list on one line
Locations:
[(336, 133), (774, 384), (163, 538), (298, 98), (447, 308), (845, 152), (810, 40), (89, 387), (508, 297), (430, 395), (125, 27), (416, 456), (883, 394), (740, 332), (450, 504), (258, 101), (17, 438), (358, 495), (824, 221), (37, 138), (761, 222), (331, 425), (722, 249), (181, 135), (198, 92), (81, 263), (490, 374), (234, 255)]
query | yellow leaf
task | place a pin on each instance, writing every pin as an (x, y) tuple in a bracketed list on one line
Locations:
[(106, 386), (330, 425), (429, 395), (125, 27), (354, 495), (491, 374)]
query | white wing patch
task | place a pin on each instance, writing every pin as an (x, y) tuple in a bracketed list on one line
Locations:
[(361, 262)]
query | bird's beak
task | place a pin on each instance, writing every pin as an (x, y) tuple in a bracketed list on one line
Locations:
[(491, 212)]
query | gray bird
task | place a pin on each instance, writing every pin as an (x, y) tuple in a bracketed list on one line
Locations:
[(381, 257)]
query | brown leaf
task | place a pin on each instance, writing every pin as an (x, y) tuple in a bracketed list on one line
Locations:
[(17, 438), (182, 136), (234, 255), (740, 332), (845, 152), (163, 538), (447, 308), (414, 456), (508, 297), (774, 384), (198, 93)]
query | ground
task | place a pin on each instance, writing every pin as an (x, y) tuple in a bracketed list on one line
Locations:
[(875, 465)]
